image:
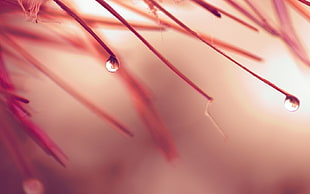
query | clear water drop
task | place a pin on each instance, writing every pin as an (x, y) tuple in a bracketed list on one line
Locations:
[(112, 64), (33, 186), (291, 103)]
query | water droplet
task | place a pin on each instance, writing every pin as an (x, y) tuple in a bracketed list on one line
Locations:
[(33, 186), (112, 64), (291, 103)]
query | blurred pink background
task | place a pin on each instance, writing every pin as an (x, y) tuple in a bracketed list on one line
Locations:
[(267, 146)]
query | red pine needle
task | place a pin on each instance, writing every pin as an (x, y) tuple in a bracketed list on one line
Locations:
[(120, 127), (206, 37), (219, 51), (305, 2), (207, 5), (301, 9), (149, 46), (84, 25), (149, 115)]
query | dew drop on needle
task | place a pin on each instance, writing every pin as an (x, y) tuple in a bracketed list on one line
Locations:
[(291, 103), (33, 186), (112, 64)]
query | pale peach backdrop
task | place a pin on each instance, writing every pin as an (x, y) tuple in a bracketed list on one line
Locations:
[(267, 150)]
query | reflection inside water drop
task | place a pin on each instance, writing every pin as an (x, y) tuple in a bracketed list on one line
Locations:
[(291, 103), (112, 64), (33, 186)]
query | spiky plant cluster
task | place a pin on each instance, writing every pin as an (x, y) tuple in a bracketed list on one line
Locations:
[(31, 20)]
